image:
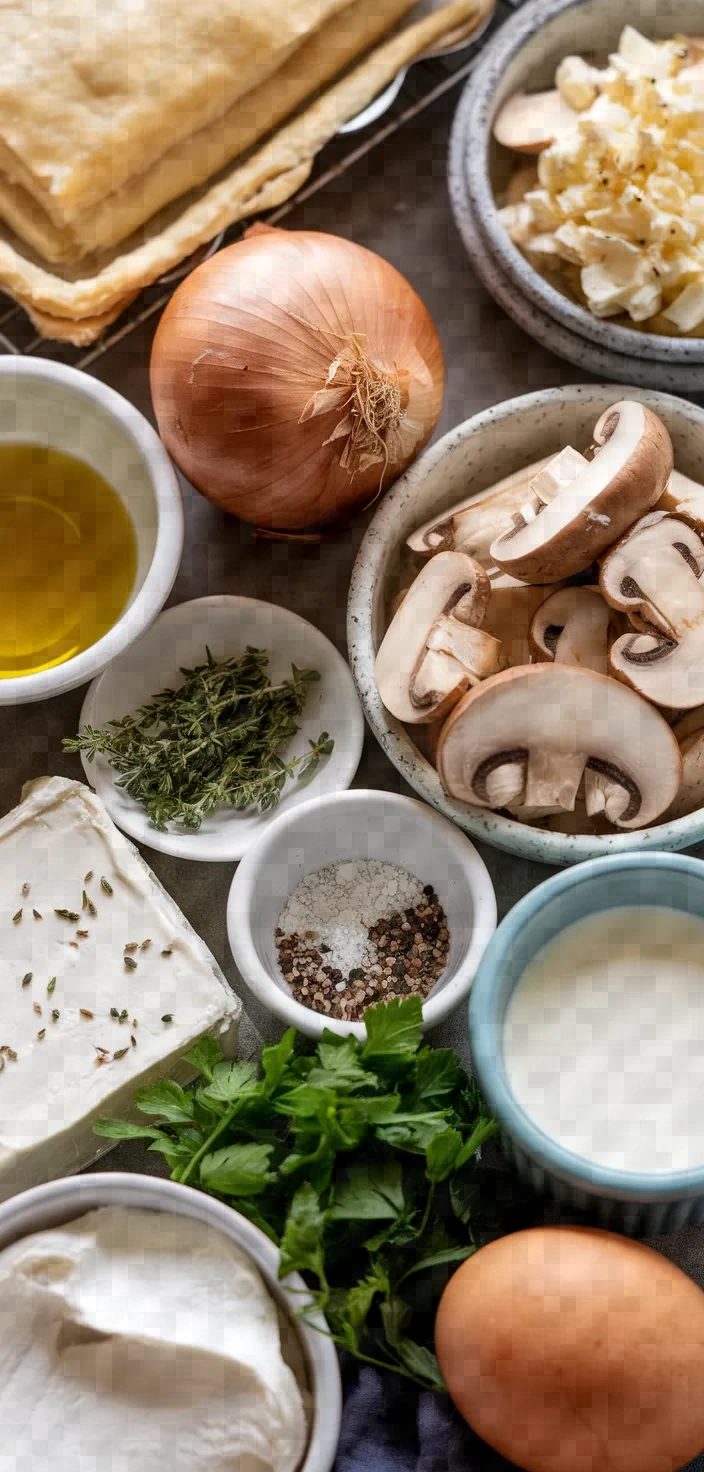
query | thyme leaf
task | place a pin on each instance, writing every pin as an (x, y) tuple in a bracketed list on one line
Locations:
[(213, 741)]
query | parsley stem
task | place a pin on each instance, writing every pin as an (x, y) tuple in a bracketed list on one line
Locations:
[(428, 1207), (203, 1149)]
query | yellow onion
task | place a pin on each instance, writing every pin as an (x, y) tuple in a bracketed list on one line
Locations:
[(294, 375)]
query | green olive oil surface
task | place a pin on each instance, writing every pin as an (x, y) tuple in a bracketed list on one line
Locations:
[(68, 557)]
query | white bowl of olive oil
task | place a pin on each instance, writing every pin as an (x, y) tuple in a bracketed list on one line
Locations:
[(91, 527)]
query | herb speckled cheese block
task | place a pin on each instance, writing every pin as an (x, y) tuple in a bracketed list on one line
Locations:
[(94, 956)]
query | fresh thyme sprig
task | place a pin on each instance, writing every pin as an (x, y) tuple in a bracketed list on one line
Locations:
[(213, 741)]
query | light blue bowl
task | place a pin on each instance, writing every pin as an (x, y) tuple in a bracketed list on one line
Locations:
[(635, 1203)]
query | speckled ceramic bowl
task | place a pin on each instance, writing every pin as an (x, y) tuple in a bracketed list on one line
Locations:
[(477, 454), (624, 1200), (523, 56)]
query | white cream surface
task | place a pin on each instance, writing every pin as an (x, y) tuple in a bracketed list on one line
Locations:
[(132, 1341), (604, 1039), (54, 1088)]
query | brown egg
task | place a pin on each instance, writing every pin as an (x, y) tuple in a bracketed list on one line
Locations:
[(575, 1350)]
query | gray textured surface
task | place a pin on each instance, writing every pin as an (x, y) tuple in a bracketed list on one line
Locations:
[(394, 202)]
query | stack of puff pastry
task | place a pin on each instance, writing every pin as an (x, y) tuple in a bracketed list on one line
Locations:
[(132, 133)]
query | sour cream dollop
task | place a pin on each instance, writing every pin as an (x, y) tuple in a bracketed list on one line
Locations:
[(134, 1340)]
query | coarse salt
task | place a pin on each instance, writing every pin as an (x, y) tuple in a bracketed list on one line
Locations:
[(342, 900)]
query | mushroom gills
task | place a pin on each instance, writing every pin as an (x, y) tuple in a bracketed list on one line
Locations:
[(574, 626), (471, 525), (433, 648), (654, 573), (527, 738), (665, 671)]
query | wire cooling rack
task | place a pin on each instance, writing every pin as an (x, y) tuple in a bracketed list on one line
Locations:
[(426, 83)]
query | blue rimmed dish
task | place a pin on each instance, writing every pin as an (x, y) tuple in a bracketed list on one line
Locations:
[(638, 1202)]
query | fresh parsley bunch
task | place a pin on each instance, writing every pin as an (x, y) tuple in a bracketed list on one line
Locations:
[(358, 1161)]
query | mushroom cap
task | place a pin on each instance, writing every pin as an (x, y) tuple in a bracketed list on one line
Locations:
[(666, 672), (653, 573), (562, 719), (449, 584), (471, 525), (531, 121), (626, 477), (573, 627)]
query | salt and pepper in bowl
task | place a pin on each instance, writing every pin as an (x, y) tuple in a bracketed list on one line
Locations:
[(371, 863)]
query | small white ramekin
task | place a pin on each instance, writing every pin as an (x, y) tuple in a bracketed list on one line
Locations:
[(359, 824), (62, 1201), (45, 403)]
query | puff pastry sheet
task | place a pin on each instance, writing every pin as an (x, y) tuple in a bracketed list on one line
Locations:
[(193, 160), (79, 309), (93, 91)]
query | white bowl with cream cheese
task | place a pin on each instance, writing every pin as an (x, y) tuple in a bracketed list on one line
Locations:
[(149, 1318), (52, 405)]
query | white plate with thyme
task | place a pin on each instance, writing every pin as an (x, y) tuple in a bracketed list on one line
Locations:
[(223, 701)]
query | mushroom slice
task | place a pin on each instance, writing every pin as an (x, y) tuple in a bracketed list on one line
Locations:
[(434, 648), (573, 627), (543, 725), (629, 472), (666, 671), (690, 734), (684, 498), (531, 121), (654, 573), (471, 525)]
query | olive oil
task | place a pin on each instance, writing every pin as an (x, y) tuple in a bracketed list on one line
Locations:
[(68, 557)]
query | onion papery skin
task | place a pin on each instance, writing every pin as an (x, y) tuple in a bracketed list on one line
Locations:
[(245, 344)]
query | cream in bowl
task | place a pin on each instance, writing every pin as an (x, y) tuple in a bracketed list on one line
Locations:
[(91, 527), (587, 1034)]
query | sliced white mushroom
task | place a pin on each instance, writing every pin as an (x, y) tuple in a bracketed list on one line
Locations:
[(472, 524), (654, 573), (666, 671), (629, 472), (531, 121), (524, 738), (684, 498), (690, 734), (434, 647), (574, 626), (511, 610)]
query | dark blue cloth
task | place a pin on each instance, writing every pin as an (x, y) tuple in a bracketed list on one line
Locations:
[(387, 1429)]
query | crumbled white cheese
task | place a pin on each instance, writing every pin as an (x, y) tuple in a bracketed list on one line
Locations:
[(621, 194), (577, 83), (73, 950)]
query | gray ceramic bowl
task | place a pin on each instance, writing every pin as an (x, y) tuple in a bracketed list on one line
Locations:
[(646, 1204), (311, 1353), (475, 455), (523, 56)]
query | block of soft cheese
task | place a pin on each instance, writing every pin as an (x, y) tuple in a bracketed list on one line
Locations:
[(94, 956)]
